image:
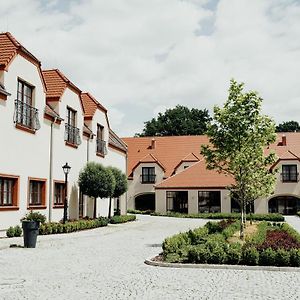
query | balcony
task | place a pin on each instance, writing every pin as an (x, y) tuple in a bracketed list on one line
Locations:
[(101, 147), (72, 135), (289, 177), (148, 178), (26, 116)]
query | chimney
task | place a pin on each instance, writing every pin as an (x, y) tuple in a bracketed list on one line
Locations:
[(283, 140), (153, 143)]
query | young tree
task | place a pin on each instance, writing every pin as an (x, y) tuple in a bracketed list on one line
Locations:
[(178, 121), (96, 181), (238, 137), (120, 187)]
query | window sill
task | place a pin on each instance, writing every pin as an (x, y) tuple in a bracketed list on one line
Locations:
[(24, 128), (34, 207), (59, 206), (71, 145), (9, 208), (100, 154)]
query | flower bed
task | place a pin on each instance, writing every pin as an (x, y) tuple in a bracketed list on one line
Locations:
[(210, 245), (257, 217)]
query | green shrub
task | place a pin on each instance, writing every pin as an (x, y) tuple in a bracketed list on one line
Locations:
[(122, 219), (234, 254), (18, 231), (198, 254), (174, 243), (250, 256), (260, 236), (291, 231), (34, 216), (267, 257), (140, 212), (295, 257), (231, 229), (10, 232), (213, 227), (198, 235), (282, 258)]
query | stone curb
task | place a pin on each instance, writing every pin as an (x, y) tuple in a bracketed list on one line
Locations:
[(150, 262)]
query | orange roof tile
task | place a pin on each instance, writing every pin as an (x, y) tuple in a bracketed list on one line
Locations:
[(196, 176), (149, 158), (9, 48), (56, 83), (90, 105)]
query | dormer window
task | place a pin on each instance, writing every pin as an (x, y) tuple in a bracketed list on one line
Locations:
[(148, 175), (100, 143), (289, 173), (25, 114), (72, 133)]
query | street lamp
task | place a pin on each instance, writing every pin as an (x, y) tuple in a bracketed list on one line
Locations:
[(66, 169)]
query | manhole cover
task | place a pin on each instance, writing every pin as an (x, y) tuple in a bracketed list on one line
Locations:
[(11, 281)]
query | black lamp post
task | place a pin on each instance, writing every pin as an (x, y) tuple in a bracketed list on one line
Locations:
[(66, 169)]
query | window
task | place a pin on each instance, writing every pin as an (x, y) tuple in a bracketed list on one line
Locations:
[(59, 193), (8, 191), (72, 134), (289, 173), (25, 114), (177, 201), (209, 201), (37, 192), (100, 143), (148, 175)]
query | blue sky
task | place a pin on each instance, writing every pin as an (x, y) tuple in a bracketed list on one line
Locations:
[(139, 57)]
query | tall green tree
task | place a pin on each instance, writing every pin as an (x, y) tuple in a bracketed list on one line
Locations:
[(120, 187), (289, 126), (96, 181), (238, 137), (178, 121)]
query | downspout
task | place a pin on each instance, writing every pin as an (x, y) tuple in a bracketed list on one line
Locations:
[(51, 170)]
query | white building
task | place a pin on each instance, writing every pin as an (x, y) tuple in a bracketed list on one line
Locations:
[(47, 121)]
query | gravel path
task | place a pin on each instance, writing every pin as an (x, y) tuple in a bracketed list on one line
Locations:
[(108, 263)]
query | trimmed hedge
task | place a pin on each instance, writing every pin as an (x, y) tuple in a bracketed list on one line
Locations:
[(55, 227), (257, 217), (14, 231), (209, 244), (122, 219), (140, 212), (298, 213)]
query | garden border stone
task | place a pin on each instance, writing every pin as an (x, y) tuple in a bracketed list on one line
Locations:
[(151, 262)]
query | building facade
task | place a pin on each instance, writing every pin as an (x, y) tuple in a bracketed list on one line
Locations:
[(47, 121), (169, 174)]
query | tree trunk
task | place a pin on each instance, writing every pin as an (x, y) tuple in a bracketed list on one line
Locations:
[(109, 209), (95, 207), (250, 213), (242, 223), (245, 214)]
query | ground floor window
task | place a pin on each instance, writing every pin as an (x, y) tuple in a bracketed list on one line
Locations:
[(59, 193), (37, 192), (209, 201), (8, 191), (287, 205), (145, 202), (177, 201)]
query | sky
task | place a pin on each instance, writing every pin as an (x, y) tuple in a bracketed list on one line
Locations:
[(140, 57)]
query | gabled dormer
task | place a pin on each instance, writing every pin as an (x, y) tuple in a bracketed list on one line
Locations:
[(186, 162)]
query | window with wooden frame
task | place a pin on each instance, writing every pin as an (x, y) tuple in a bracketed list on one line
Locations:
[(289, 173), (8, 191), (59, 193), (37, 193), (100, 143), (26, 114), (72, 133)]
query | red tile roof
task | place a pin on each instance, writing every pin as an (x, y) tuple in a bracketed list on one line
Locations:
[(56, 83), (9, 48), (149, 158), (196, 176), (90, 105)]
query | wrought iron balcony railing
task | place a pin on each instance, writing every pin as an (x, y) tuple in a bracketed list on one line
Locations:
[(101, 147), (289, 177), (148, 178), (26, 115), (72, 134)]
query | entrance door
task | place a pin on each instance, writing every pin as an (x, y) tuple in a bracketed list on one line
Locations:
[(286, 205), (145, 202)]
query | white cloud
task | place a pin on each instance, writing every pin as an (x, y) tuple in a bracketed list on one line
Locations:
[(139, 56)]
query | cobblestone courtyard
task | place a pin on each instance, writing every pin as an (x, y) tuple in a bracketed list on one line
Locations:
[(108, 263)]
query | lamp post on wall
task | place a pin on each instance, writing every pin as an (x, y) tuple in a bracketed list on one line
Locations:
[(66, 169)]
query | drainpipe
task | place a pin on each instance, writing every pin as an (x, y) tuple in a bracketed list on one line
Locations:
[(51, 170)]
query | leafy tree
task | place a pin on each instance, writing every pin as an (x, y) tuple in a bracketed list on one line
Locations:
[(120, 187), (238, 137), (289, 126), (178, 121), (96, 181)]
